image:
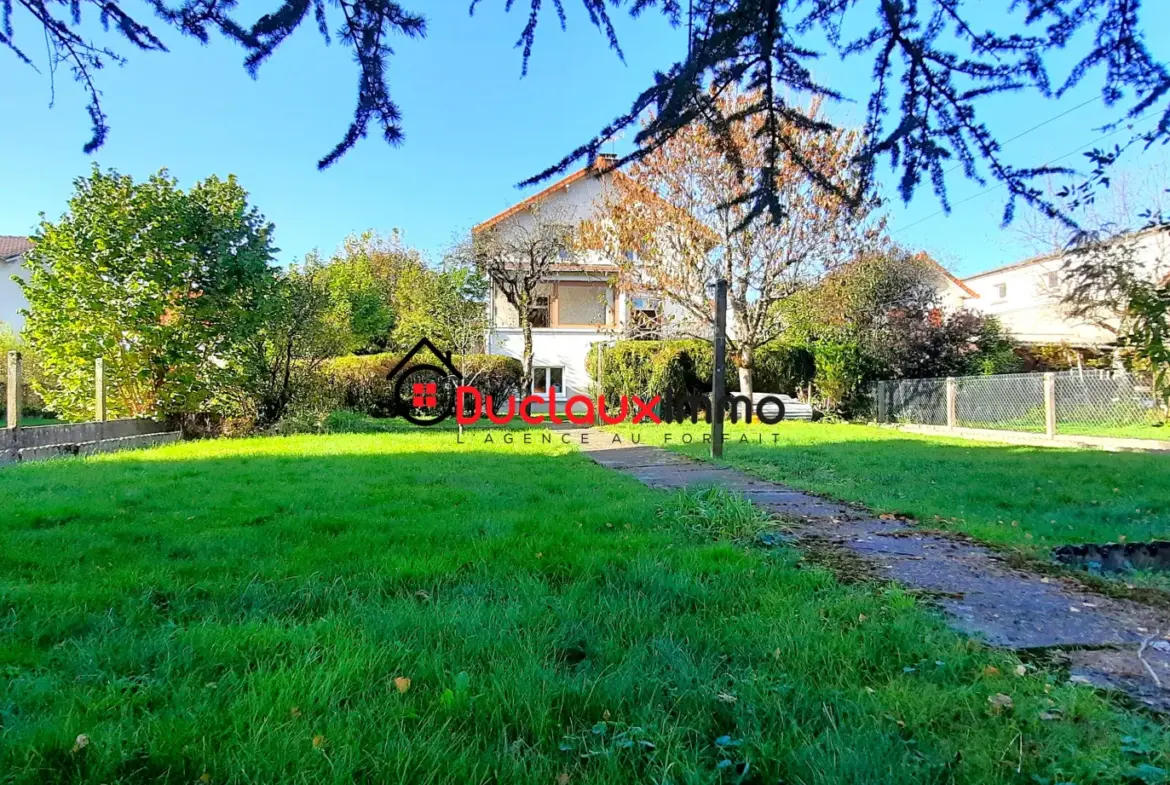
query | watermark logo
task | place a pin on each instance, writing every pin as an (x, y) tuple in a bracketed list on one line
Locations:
[(425, 394), (428, 394)]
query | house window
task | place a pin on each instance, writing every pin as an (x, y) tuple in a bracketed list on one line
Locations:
[(544, 377), (538, 311), (1000, 291), (646, 317), (582, 304), (1053, 280)]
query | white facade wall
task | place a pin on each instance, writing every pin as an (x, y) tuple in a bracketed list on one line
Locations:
[(1026, 297), (553, 348), (11, 295)]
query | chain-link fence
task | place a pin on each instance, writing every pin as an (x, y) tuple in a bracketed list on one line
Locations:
[(1088, 402)]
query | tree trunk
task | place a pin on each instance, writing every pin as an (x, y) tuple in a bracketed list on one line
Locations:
[(526, 326), (746, 363)]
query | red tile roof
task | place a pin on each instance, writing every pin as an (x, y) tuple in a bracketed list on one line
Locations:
[(928, 258), (12, 245)]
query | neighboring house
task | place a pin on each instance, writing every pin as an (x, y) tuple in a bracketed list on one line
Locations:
[(1026, 296), (12, 250), (580, 304), (953, 293)]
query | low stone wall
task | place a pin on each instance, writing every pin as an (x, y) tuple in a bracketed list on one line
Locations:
[(55, 441)]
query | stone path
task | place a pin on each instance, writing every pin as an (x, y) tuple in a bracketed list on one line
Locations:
[(1108, 642)]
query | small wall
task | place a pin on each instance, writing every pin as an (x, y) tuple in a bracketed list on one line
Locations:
[(54, 441)]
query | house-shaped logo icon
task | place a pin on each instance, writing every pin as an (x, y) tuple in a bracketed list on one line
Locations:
[(425, 394)]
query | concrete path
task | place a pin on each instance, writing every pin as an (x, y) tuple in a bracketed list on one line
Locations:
[(1108, 642)]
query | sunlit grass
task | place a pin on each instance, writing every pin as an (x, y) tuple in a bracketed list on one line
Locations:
[(250, 611), (1030, 498)]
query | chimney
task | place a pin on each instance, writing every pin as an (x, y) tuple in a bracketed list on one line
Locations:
[(604, 162)]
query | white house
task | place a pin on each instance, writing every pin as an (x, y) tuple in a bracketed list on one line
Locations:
[(1026, 296), (579, 305), (12, 300)]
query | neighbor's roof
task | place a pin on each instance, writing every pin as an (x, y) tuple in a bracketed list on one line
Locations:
[(13, 245), (1049, 256), (946, 273)]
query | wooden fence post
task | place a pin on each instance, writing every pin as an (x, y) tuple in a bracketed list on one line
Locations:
[(1050, 405), (15, 380), (99, 395), (952, 402)]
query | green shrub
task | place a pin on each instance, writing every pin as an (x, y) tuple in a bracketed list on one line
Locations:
[(492, 374), (642, 368), (840, 372), (782, 369), (648, 368), (361, 383), (357, 382)]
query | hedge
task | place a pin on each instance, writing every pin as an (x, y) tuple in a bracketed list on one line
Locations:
[(648, 368), (360, 382)]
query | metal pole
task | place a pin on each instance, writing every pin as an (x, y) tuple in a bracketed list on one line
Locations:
[(99, 399), (719, 381), (15, 381)]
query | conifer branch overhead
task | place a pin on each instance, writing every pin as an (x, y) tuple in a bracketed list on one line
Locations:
[(932, 68)]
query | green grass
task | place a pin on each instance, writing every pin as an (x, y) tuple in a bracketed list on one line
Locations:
[(1028, 498), (1150, 430), (240, 611)]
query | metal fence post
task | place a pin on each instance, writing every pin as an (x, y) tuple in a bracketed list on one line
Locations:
[(719, 383), (952, 402), (99, 399), (1050, 405), (14, 390)]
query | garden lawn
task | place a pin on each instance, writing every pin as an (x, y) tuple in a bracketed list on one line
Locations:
[(399, 607), (1027, 498)]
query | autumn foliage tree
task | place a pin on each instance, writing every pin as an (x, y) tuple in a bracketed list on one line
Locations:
[(679, 210)]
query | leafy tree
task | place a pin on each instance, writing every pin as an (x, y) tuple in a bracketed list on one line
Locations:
[(357, 300), (676, 210), (517, 257), (933, 65), (880, 317), (277, 363), (162, 283), (449, 306)]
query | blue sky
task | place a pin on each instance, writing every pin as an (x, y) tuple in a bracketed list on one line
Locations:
[(474, 128)]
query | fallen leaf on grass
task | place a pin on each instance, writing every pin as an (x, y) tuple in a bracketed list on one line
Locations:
[(1021, 670), (81, 742), (726, 697), (999, 702), (563, 778), (991, 670), (319, 742), (401, 683)]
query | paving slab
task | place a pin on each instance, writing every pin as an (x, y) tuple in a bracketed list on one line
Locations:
[(980, 594)]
